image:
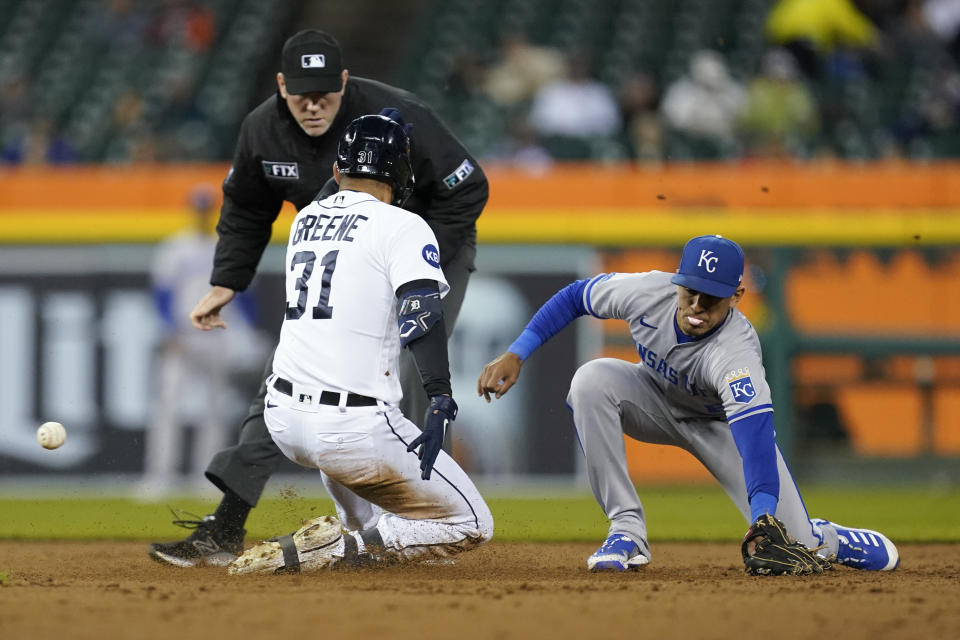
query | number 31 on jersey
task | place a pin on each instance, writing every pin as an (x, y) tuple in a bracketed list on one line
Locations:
[(322, 310)]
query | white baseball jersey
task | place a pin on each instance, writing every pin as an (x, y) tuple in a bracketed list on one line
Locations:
[(719, 377), (346, 257)]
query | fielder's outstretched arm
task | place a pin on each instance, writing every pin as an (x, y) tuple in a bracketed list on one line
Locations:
[(563, 308), (499, 375)]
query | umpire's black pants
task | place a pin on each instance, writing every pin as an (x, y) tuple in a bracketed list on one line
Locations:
[(245, 467)]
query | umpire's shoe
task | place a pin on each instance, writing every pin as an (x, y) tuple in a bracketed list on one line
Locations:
[(617, 553), (317, 544), (208, 545), (863, 548)]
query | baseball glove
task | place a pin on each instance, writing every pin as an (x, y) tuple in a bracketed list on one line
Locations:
[(776, 553)]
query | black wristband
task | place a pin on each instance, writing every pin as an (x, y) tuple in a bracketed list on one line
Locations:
[(430, 353)]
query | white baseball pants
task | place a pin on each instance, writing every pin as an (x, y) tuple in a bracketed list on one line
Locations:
[(373, 480)]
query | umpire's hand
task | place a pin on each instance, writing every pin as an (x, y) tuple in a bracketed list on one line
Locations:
[(499, 375), (206, 315), (441, 412)]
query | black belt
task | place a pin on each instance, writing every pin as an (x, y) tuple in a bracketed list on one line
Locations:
[(327, 397)]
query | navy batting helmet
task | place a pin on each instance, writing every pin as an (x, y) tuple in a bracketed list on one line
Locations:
[(376, 147)]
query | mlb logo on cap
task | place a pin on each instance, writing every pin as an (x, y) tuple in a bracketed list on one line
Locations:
[(711, 265), (313, 61)]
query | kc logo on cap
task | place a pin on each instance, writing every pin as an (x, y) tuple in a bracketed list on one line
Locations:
[(708, 261), (711, 265)]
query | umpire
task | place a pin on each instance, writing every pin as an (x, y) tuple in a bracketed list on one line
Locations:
[(286, 151)]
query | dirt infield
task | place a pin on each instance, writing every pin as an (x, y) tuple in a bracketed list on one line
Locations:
[(104, 590)]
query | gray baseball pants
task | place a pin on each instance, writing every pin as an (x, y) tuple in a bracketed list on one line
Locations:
[(610, 398), (246, 467)]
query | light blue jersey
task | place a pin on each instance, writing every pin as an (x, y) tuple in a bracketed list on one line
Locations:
[(706, 394), (717, 377)]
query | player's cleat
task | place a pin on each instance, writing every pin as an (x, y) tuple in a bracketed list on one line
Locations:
[(617, 553), (208, 545), (315, 545), (863, 548)]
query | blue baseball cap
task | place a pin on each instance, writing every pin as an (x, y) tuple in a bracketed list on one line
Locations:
[(712, 265)]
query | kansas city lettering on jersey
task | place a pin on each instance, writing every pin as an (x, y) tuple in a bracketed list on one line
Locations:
[(659, 365), (325, 227)]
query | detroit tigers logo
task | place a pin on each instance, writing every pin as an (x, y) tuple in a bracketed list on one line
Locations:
[(741, 385), (431, 255), (708, 261)]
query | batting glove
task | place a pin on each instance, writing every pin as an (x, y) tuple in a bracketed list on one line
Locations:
[(442, 411)]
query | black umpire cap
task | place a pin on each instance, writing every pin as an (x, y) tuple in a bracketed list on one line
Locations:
[(312, 63)]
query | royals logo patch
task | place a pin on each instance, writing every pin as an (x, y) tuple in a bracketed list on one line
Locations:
[(741, 385)]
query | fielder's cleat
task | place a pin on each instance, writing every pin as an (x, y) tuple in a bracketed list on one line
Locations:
[(863, 548), (208, 545), (617, 553), (315, 545)]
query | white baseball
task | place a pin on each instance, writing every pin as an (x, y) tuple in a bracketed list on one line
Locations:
[(51, 435)]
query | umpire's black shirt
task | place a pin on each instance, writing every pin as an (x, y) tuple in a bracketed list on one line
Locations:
[(275, 160)]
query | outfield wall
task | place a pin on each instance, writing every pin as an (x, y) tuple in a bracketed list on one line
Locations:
[(865, 256), (887, 204)]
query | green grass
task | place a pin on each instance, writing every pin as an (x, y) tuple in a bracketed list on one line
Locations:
[(673, 513)]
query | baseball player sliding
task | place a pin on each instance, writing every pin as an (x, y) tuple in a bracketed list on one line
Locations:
[(363, 282), (699, 385)]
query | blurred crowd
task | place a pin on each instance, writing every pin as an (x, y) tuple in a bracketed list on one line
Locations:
[(856, 79), (124, 90)]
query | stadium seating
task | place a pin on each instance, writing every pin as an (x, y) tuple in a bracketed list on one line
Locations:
[(110, 75), (864, 113), (113, 75)]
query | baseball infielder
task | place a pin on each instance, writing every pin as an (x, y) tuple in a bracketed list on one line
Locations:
[(363, 281), (699, 385)]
